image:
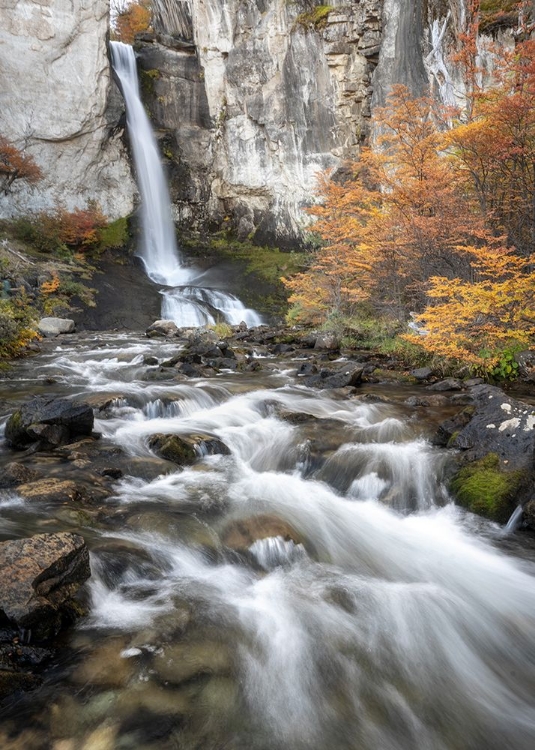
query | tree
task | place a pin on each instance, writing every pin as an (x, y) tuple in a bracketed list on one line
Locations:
[(477, 321), (16, 165), (131, 19)]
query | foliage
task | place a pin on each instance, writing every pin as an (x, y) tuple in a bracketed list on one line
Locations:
[(62, 232), (223, 330), (476, 321), (16, 326), (16, 165), (484, 488), (316, 18), (132, 20)]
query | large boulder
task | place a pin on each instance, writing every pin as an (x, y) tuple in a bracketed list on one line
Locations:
[(40, 575), (55, 326), (162, 329), (495, 437), (49, 421), (349, 375)]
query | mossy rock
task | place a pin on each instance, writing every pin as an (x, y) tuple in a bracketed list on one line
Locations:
[(173, 448), (483, 487)]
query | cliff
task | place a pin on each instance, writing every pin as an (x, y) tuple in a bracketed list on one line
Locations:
[(54, 104)]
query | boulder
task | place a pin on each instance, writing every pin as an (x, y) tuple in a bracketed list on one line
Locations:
[(448, 384), (496, 440), (184, 450), (40, 575), (16, 473), (241, 534), (50, 490), (162, 328), (349, 374), (422, 373), (48, 420), (55, 326), (328, 341)]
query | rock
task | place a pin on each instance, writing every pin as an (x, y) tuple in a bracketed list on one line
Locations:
[(55, 326), (12, 681), (184, 661), (150, 361), (350, 374), (241, 534), (448, 384), (104, 666), (422, 373), (327, 341), (526, 364), (496, 437), (184, 450), (39, 576), (162, 328), (31, 422), (529, 514), (16, 473), (56, 91), (50, 490), (306, 368), (433, 400)]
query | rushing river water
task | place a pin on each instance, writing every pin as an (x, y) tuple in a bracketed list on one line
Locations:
[(386, 619)]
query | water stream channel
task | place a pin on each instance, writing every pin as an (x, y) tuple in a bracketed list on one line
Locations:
[(360, 610)]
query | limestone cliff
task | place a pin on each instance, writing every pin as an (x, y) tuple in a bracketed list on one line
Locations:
[(54, 95), (257, 98), (253, 98)]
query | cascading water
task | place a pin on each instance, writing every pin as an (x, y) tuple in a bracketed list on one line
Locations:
[(185, 303), (366, 612)]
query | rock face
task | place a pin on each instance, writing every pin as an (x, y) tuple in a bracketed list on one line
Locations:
[(52, 421), (496, 440), (54, 104), (256, 99), (39, 575)]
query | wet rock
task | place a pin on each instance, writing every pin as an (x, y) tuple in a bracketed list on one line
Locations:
[(350, 374), (529, 514), (150, 698), (100, 401), (40, 575), (327, 341), (184, 450), (422, 373), (497, 452), (432, 400), (448, 384), (12, 681), (162, 329), (50, 490), (55, 326), (185, 661), (111, 472), (239, 535), (150, 361), (16, 473), (526, 364), (53, 421), (306, 368), (105, 667), (189, 370)]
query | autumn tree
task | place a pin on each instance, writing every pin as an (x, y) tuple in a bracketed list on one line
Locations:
[(132, 19), (16, 165), (477, 321)]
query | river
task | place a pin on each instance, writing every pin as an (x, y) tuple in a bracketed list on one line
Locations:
[(361, 609)]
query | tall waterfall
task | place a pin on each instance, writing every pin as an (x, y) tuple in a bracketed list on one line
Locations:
[(189, 305)]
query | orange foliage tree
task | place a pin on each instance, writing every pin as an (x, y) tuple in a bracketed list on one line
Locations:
[(16, 165), (131, 21), (477, 321)]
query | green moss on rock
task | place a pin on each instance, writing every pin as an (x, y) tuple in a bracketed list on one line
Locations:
[(483, 487)]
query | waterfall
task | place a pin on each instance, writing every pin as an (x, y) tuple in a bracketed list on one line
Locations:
[(186, 306)]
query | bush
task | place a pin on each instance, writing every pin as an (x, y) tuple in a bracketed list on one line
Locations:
[(16, 326)]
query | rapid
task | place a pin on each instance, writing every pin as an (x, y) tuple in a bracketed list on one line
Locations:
[(315, 588)]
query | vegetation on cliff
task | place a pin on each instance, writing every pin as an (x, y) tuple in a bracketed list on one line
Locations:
[(437, 218)]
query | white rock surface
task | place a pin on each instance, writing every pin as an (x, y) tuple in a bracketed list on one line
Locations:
[(55, 86), (55, 326)]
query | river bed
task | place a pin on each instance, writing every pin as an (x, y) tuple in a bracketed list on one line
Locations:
[(313, 589)]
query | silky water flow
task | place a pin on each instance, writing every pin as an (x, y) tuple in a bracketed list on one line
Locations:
[(185, 301), (369, 613)]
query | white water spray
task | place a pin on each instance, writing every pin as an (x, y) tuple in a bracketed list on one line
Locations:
[(187, 306)]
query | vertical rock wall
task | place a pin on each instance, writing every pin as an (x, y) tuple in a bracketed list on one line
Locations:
[(254, 100), (54, 94)]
